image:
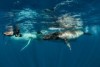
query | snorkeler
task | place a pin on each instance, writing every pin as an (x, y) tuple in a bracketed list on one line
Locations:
[(17, 31), (13, 30)]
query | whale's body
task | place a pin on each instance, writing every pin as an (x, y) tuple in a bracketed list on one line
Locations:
[(71, 34)]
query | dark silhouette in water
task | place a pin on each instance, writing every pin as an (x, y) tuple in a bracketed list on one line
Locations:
[(17, 31), (13, 30)]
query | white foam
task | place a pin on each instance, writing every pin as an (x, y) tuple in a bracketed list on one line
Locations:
[(54, 28), (25, 36), (26, 13), (68, 21)]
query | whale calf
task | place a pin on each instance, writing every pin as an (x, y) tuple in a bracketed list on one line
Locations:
[(27, 37)]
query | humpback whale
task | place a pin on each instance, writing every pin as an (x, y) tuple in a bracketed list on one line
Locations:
[(66, 36)]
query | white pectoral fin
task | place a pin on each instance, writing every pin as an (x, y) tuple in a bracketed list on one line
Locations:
[(28, 43), (68, 44)]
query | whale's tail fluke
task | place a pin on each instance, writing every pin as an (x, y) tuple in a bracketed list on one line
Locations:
[(28, 43)]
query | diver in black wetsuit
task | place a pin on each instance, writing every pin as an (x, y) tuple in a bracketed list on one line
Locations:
[(17, 31)]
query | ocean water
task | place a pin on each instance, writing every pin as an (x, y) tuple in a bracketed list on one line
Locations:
[(36, 15)]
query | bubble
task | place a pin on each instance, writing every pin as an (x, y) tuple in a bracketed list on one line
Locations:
[(63, 3), (26, 13), (68, 21)]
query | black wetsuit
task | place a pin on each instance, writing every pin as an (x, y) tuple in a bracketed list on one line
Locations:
[(17, 32)]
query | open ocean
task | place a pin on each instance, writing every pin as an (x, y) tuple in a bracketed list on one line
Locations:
[(33, 15)]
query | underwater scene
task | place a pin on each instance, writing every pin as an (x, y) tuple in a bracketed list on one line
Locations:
[(49, 33)]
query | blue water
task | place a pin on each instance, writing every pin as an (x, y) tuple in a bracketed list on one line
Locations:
[(85, 50)]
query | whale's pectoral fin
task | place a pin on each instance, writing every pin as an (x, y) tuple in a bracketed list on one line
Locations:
[(28, 43), (68, 44)]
